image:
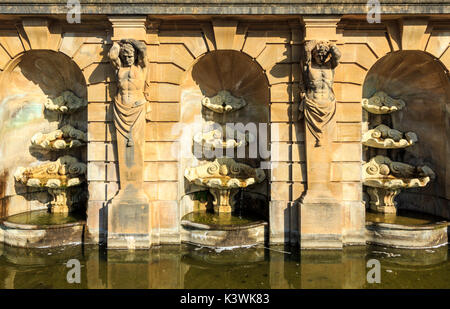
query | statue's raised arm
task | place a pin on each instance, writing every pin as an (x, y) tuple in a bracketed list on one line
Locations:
[(113, 55), (335, 56)]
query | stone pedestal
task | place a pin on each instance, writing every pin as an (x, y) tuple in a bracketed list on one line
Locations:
[(320, 214), (223, 200), (128, 220), (382, 200), (60, 200), (320, 225)]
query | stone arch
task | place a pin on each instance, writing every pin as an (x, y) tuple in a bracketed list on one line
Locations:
[(211, 72), (25, 83), (86, 49), (171, 56), (422, 81)]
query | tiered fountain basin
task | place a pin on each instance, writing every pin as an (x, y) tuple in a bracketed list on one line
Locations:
[(222, 138), (385, 179), (384, 137), (42, 229), (224, 177), (222, 230), (381, 103), (60, 177), (224, 102), (406, 230)]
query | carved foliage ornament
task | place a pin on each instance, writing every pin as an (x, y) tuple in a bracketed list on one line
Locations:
[(212, 139)]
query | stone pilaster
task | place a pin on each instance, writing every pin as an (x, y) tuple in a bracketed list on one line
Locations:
[(320, 214), (129, 219)]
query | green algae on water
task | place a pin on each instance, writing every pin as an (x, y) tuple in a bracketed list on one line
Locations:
[(43, 217)]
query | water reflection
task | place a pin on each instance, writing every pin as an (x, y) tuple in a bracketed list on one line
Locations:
[(187, 267)]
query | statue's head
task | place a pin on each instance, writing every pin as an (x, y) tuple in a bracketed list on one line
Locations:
[(128, 54), (321, 52)]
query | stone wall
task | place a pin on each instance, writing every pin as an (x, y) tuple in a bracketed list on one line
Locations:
[(174, 45)]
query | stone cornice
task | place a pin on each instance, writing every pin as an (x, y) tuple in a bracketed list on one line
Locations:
[(222, 7)]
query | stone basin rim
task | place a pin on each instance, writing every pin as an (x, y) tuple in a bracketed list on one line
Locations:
[(396, 226), (22, 226), (215, 227), (370, 242)]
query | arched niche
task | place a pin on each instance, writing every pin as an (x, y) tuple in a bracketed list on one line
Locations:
[(24, 87), (243, 77), (422, 82)]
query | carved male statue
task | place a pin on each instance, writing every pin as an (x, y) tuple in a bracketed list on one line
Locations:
[(318, 102), (128, 214), (129, 59)]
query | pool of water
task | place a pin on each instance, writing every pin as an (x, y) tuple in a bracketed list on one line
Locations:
[(218, 220), (188, 267), (43, 217), (403, 217)]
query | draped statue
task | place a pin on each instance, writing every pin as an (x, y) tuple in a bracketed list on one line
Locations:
[(318, 104), (128, 213), (128, 57)]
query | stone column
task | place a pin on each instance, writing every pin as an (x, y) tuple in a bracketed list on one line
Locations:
[(320, 214), (129, 221)]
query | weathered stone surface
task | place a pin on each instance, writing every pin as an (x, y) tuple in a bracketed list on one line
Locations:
[(216, 7), (42, 236), (320, 225), (425, 236), (222, 236), (176, 46)]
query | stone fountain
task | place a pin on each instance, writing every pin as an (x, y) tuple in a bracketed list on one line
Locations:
[(221, 138), (63, 178), (385, 178), (223, 178), (223, 102), (63, 138)]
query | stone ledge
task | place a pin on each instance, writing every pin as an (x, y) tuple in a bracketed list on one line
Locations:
[(221, 7)]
